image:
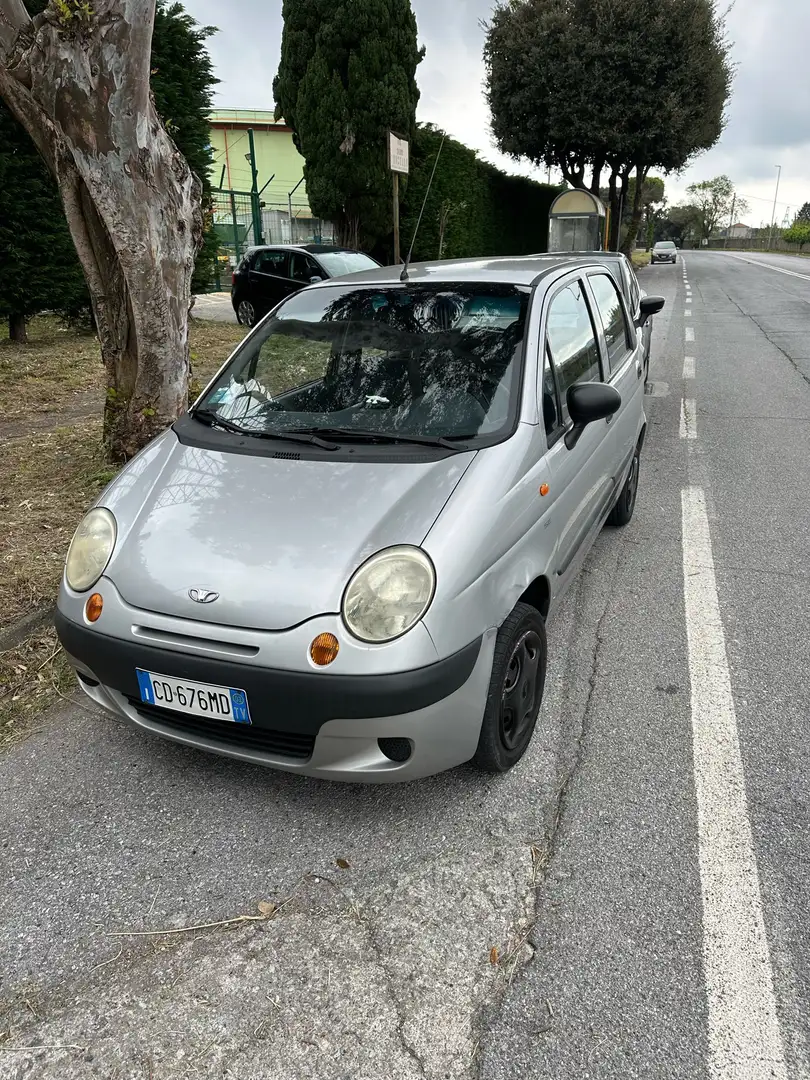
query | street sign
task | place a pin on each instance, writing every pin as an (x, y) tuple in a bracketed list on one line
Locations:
[(398, 154)]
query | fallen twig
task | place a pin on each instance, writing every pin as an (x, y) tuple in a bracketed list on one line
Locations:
[(189, 929)]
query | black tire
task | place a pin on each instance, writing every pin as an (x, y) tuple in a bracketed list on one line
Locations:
[(518, 679), (246, 313), (622, 512)]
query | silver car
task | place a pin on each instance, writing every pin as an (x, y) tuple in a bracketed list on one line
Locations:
[(341, 560)]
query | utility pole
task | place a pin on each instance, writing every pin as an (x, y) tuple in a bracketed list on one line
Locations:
[(773, 215), (256, 209), (731, 222)]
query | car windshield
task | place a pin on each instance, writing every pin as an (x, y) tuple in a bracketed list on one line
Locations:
[(337, 263), (439, 360), (666, 245)]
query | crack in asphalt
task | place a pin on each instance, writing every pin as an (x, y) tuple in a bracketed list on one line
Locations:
[(770, 340), (391, 983), (575, 734)]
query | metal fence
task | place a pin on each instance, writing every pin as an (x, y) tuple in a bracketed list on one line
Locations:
[(242, 220)]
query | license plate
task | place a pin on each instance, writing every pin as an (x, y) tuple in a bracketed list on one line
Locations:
[(196, 699)]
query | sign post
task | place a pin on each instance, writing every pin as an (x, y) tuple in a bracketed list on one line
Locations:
[(398, 163)]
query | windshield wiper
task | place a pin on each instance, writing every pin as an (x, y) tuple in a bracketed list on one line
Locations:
[(447, 442), (208, 416)]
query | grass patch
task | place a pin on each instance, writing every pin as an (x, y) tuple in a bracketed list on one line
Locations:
[(51, 373), (60, 369), (32, 677), (48, 478), (47, 481), (640, 259)]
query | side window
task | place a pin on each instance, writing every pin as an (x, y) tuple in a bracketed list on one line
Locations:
[(631, 287), (572, 341), (271, 262), (303, 268), (611, 312)]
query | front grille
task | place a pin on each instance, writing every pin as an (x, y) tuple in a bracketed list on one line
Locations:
[(289, 744)]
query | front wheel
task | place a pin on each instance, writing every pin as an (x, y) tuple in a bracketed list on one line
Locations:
[(622, 512), (246, 313), (515, 691)]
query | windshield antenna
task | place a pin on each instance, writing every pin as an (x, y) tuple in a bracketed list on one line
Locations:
[(404, 275)]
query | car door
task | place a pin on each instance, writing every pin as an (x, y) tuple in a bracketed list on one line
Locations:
[(269, 278), (582, 480), (303, 269), (624, 360)]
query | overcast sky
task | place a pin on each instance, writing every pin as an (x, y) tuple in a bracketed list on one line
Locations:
[(769, 114)]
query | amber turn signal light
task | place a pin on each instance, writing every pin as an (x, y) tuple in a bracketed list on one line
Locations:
[(324, 649), (544, 489), (93, 607)]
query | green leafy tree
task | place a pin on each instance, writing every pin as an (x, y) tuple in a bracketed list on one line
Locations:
[(679, 223), (804, 214), (39, 269), (715, 200), (798, 233), (38, 264), (612, 87), (347, 76)]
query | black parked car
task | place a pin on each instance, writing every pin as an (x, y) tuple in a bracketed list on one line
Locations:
[(266, 275)]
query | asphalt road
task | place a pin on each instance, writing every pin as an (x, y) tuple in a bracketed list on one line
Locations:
[(642, 875)]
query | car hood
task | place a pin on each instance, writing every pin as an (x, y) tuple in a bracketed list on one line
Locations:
[(277, 540)]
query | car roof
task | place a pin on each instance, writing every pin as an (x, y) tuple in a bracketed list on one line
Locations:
[(313, 249), (511, 270)]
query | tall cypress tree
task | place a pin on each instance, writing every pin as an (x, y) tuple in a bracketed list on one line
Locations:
[(348, 76), (39, 269)]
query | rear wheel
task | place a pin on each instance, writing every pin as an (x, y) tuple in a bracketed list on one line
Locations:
[(622, 512), (246, 313), (515, 691)]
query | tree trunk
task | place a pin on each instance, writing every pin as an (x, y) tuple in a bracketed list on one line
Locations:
[(628, 247), (79, 84), (17, 329)]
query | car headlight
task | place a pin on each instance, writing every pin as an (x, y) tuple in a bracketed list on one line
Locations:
[(389, 594), (90, 549)]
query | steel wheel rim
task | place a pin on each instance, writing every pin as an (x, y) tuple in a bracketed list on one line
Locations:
[(521, 690), (247, 314)]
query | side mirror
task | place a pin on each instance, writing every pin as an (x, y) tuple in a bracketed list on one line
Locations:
[(315, 279), (650, 305), (588, 402)]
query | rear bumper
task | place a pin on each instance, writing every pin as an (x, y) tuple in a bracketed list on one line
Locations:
[(308, 722)]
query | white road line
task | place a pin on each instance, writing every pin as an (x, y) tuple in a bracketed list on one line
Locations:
[(688, 425), (768, 266), (745, 1042), (688, 313), (689, 367), (690, 333)]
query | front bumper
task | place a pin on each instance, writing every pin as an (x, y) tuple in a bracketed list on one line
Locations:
[(309, 722)]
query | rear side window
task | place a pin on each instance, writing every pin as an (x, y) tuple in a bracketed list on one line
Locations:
[(271, 262), (611, 312), (572, 341)]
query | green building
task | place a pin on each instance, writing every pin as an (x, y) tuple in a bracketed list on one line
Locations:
[(281, 215)]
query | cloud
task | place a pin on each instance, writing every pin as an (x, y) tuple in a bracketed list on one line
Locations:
[(768, 117)]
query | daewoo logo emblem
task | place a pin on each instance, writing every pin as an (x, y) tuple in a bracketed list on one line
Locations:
[(203, 596)]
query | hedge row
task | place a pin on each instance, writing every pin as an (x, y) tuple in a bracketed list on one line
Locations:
[(487, 212)]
